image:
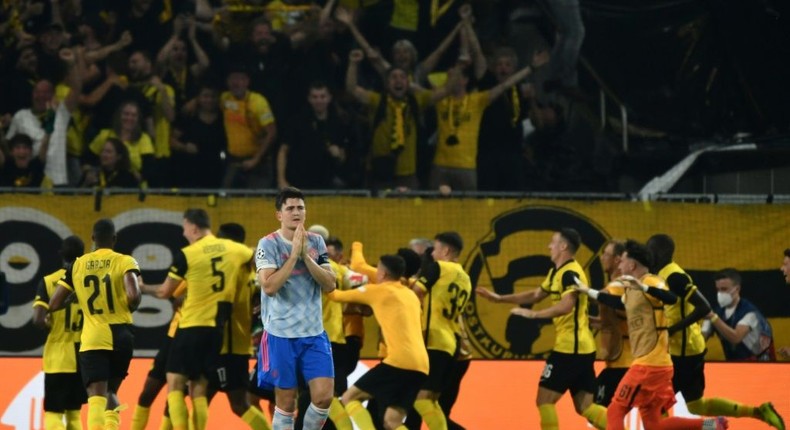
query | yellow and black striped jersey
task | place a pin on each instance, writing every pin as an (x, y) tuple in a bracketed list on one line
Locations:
[(212, 268), (572, 330), (97, 278), (60, 354)]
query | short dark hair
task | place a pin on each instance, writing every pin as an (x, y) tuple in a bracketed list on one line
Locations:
[(618, 246), (663, 249), (103, 231), (394, 265), (787, 252), (197, 216), (571, 237), (318, 85), (209, 82), (144, 53), (638, 252), (452, 239), (71, 248), (20, 139), (728, 273), (237, 67), (505, 52), (285, 194), (412, 260), (393, 69), (261, 20), (334, 241), (233, 231)]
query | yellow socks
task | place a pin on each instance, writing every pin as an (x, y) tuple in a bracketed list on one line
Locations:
[(96, 407), (53, 421), (73, 420), (255, 419), (178, 410), (200, 405), (165, 424), (112, 420), (140, 417), (596, 415), (720, 407), (339, 416), (548, 417), (360, 415), (431, 413)]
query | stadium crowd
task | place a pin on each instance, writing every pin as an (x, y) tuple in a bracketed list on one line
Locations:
[(444, 95)]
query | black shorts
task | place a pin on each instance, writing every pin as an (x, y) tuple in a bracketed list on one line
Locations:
[(392, 386), (159, 369), (64, 392), (440, 365), (340, 358), (573, 372), (354, 346), (689, 377), (195, 352), (232, 373), (606, 384), (266, 393), (109, 365)]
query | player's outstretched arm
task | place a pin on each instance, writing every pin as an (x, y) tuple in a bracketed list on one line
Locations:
[(163, 291), (604, 298), (131, 282), (358, 263), (525, 298), (701, 310), (564, 307)]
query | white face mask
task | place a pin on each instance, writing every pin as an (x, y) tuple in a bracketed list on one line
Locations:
[(724, 299)]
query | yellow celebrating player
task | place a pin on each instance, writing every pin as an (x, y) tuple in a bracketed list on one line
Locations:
[(570, 364), (106, 284), (64, 392)]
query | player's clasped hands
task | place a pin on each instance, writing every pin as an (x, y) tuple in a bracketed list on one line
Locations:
[(299, 242)]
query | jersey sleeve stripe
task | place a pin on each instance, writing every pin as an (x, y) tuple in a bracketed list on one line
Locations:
[(174, 276)]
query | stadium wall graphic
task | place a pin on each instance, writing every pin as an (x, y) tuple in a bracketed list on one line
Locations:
[(504, 385), (505, 249)]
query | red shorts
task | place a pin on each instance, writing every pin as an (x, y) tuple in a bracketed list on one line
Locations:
[(646, 386)]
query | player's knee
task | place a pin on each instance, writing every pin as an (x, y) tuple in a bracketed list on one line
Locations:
[(286, 402), (392, 422), (322, 400)]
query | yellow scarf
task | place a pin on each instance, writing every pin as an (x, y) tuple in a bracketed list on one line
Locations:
[(437, 9), (398, 124), (516, 105)]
